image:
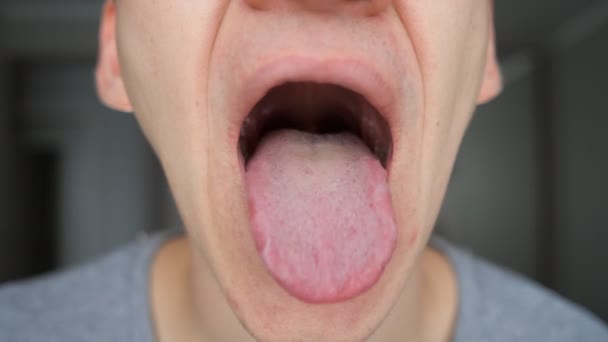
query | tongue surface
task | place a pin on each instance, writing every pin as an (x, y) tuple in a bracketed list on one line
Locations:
[(321, 214)]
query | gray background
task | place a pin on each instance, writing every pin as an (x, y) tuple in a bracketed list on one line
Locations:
[(528, 190)]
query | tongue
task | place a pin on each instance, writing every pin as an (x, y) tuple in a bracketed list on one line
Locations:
[(321, 214)]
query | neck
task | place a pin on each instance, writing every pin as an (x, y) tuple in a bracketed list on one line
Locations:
[(426, 309), (189, 305)]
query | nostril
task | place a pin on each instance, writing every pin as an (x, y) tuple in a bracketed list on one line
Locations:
[(355, 7), (370, 7), (259, 4)]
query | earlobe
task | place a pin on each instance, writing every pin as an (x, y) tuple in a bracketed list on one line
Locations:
[(492, 78), (110, 87)]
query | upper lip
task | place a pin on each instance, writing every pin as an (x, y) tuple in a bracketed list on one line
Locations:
[(352, 74)]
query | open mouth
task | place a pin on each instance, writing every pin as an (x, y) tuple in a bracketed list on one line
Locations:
[(319, 202), (318, 109)]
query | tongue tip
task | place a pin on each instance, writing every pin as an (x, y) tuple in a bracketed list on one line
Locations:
[(324, 290), (351, 291)]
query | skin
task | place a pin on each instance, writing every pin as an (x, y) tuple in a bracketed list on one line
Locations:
[(183, 66)]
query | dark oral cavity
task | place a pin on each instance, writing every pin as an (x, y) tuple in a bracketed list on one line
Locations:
[(319, 202)]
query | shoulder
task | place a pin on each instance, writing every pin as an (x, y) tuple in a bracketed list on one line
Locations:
[(499, 305), (96, 301), (525, 311)]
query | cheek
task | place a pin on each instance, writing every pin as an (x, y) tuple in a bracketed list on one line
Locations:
[(450, 39), (165, 70), (164, 62)]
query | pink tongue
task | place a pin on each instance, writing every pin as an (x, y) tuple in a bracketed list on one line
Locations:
[(321, 214)]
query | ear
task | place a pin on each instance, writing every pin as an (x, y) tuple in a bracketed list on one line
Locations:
[(492, 78), (110, 87)]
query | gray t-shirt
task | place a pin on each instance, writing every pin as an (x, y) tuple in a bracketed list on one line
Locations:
[(108, 300)]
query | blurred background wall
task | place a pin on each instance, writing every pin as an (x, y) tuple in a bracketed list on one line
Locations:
[(528, 190)]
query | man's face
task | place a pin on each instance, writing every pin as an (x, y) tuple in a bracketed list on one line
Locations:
[(193, 71)]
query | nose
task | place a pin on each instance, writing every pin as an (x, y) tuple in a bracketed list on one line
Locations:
[(358, 7)]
